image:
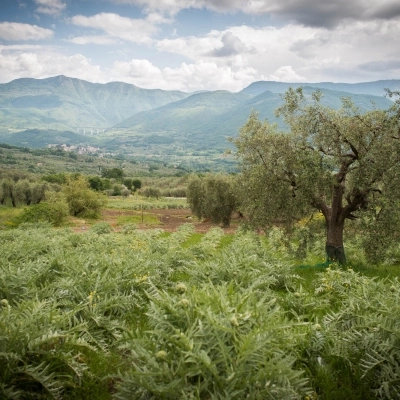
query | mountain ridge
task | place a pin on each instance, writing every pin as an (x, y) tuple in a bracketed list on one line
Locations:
[(122, 117), (376, 88), (76, 103)]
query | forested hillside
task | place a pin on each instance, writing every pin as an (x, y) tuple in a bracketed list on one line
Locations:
[(123, 118)]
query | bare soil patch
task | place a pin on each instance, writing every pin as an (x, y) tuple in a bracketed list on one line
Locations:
[(168, 220)]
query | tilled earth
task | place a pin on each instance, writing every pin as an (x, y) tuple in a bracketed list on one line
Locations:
[(169, 220)]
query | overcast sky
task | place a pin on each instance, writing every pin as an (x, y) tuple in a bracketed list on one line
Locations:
[(200, 44)]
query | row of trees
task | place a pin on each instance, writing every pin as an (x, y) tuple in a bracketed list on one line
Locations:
[(51, 199), (112, 182), (343, 163), (22, 192), (73, 198)]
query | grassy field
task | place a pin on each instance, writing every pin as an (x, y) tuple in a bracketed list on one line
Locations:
[(141, 203)]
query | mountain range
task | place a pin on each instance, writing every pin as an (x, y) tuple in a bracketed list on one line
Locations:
[(124, 118)]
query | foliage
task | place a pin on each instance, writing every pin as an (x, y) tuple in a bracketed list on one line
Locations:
[(59, 178), (379, 225), (212, 196), (178, 317), (150, 192), (213, 342), (137, 202), (361, 332), (54, 211), (133, 184), (101, 228), (82, 201), (99, 184), (340, 162), (113, 173), (23, 191)]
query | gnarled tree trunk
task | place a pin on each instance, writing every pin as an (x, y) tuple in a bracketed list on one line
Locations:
[(335, 216), (334, 241)]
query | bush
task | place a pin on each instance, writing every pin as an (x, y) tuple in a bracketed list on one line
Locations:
[(125, 192), (82, 201), (151, 192), (101, 228), (129, 228), (53, 212)]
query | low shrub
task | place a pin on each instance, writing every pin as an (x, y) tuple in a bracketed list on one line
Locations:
[(101, 228)]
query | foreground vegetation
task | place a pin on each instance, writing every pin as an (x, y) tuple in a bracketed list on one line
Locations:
[(145, 314)]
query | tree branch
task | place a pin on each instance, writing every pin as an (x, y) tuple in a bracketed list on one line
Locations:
[(353, 149), (319, 204), (356, 201)]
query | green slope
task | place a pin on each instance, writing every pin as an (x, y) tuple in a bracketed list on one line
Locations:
[(36, 138), (192, 122), (119, 116), (267, 102), (67, 103), (189, 115), (205, 121)]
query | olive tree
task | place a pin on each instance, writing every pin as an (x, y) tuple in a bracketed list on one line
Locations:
[(212, 196), (8, 192), (81, 200), (23, 189), (341, 162)]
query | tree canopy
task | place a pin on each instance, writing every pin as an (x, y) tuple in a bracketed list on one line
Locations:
[(81, 200), (212, 196), (340, 162), (113, 173)]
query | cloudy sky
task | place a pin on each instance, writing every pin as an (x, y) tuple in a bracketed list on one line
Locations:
[(200, 44)]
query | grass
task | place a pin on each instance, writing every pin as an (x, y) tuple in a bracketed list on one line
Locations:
[(194, 239), (7, 214), (137, 202), (311, 273), (146, 218), (226, 241), (98, 384)]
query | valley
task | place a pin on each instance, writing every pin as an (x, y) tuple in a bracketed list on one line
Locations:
[(172, 127)]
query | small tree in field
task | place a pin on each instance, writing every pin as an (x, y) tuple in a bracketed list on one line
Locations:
[(212, 196), (82, 201), (341, 162)]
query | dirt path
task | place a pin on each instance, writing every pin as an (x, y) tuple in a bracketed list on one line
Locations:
[(168, 220)]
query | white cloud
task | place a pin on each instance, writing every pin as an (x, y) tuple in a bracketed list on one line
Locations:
[(312, 53), (307, 12), (286, 74), (20, 48), (174, 6), (50, 7), (231, 46), (192, 47), (100, 39), (45, 64), (133, 30), (201, 75), (221, 59), (166, 6), (17, 31)]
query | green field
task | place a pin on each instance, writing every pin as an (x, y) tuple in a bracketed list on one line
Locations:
[(141, 203), (144, 314)]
